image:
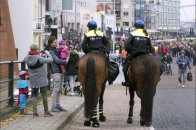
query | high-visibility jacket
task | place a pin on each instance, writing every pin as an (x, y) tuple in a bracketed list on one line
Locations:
[(138, 42), (95, 41)]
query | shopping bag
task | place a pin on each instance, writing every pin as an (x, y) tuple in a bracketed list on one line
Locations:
[(189, 76)]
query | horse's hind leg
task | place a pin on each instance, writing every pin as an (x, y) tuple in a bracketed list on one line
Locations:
[(131, 103), (142, 121), (93, 118), (101, 116)]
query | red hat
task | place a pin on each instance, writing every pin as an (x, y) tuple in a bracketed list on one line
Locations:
[(23, 73)]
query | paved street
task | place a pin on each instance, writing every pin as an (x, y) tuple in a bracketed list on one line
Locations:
[(174, 107), (116, 107)]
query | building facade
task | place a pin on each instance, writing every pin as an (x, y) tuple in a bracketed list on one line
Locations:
[(161, 15), (127, 15), (169, 15), (38, 22)]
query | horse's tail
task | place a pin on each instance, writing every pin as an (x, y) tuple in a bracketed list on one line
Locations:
[(90, 89), (148, 93)]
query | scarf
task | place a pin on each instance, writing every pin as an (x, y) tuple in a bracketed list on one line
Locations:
[(33, 53)]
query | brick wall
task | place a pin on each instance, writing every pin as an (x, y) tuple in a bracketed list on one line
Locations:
[(7, 45)]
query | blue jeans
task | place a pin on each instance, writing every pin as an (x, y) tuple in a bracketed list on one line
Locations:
[(182, 76)]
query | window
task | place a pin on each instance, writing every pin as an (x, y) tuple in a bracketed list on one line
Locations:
[(118, 24), (126, 13), (125, 23)]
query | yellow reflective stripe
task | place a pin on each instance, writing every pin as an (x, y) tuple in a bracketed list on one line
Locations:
[(139, 32), (93, 117), (91, 33)]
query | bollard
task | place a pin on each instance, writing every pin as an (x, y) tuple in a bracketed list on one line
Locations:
[(11, 83)]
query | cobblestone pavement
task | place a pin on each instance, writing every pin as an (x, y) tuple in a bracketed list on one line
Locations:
[(116, 105), (174, 106), (116, 108)]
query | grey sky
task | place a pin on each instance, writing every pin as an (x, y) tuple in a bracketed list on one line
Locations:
[(187, 13)]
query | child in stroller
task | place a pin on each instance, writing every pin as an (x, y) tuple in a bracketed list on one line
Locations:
[(167, 60)]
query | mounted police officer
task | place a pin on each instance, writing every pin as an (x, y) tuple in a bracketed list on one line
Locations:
[(137, 43), (95, 40)]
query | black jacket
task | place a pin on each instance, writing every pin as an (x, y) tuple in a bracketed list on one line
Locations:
[(72, 63), (138, 42), (95, 41)]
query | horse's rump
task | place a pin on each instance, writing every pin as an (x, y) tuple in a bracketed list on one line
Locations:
[(101, 70), (143, 67)]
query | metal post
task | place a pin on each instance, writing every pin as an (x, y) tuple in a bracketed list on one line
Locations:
[(23, 67), (11, 83)]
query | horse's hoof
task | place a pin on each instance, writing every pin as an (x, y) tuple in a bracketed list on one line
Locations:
[(102, 118), (148, 124), (129, 120), (87, 123), (95, 123)]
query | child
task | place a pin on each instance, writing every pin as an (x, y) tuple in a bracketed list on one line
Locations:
[(63, 50), (72, 70), (22, 85)]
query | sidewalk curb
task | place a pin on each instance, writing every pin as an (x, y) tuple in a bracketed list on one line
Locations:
[(14, 109), (6, 115), (68, 119)]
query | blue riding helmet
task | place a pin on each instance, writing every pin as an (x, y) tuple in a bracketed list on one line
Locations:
[(92, 24), (139, 23)]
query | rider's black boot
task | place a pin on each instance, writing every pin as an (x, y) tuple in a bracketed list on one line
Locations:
[(125, 70)]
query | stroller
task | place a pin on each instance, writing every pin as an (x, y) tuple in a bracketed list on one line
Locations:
[(167, 60), (77, 87), (167, 69)]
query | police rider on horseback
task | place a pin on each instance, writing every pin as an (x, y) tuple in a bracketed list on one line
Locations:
[(95, 40), (137, 43)]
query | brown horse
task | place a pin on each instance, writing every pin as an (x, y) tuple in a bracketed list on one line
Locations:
[(93, 73), (144, 74)]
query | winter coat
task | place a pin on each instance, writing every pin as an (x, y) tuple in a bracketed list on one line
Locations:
[(63, 53), (72, 63), (38, 76), (182, 60)]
